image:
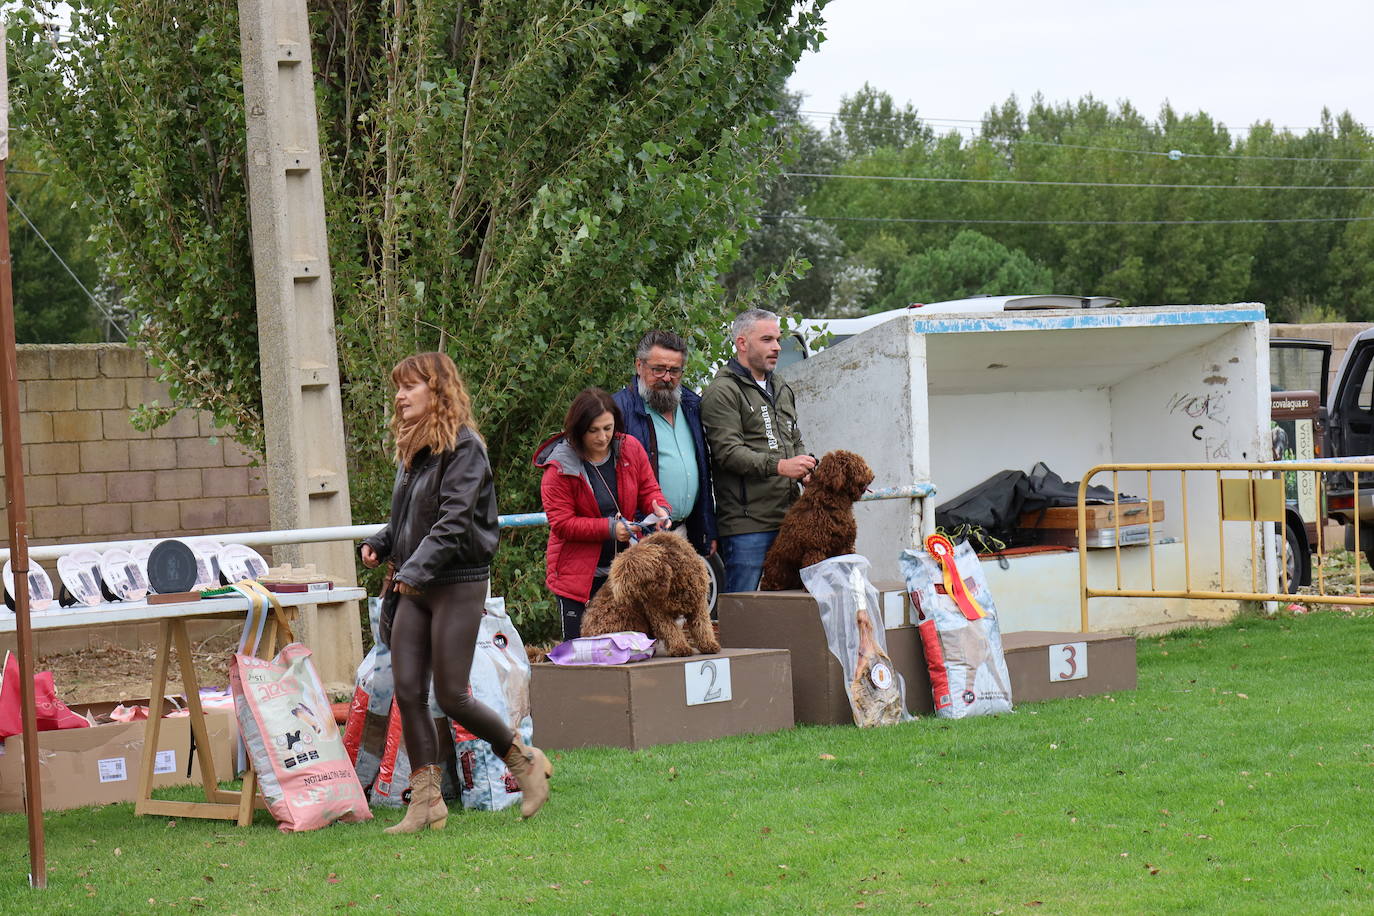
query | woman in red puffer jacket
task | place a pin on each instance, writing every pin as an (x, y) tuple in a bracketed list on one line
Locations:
[(596, 479)]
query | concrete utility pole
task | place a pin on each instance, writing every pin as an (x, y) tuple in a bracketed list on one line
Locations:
[(307, 475)]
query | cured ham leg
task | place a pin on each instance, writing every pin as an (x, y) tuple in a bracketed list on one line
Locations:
[(873, 693)]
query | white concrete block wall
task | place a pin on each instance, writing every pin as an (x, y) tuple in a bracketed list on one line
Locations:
[(954, 401)]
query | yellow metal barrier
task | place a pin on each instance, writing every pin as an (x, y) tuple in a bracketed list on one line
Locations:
[(1255, 498)]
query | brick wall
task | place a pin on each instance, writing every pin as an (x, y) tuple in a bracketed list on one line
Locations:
[(90, 476)]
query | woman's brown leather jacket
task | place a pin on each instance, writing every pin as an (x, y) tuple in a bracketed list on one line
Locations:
[(443, 526)]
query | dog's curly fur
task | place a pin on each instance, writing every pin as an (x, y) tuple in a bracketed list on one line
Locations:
[(820, 524), (650, 586)]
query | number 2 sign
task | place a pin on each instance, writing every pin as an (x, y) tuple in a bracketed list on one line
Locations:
[(1069, 661), (708, 681)]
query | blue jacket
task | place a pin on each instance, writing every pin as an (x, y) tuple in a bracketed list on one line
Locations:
[(701, 521)]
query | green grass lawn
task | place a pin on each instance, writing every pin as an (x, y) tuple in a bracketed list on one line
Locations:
[(1236, 779)]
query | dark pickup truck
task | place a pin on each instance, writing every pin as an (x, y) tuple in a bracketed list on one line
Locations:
[(1350, 433), (1297, 393)]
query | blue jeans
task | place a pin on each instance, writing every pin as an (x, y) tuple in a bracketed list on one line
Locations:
[(743, 557)]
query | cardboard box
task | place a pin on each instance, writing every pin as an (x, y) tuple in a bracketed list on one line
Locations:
[(1097, 516), (1098, 662), (1080, 665), (100, 765), (791, 620), (662, 700)]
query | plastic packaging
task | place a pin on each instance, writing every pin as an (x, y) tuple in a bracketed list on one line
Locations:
[(500, 679), (40, 587), (957, 621), (122, 575), (852, 617), (238, 562), (80, 575), (610, 649)]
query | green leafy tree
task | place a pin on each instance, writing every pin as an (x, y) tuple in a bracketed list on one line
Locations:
[(783, 236), (526, 184), (1170, 209), (50, 305), (870, 120), (971, 265)]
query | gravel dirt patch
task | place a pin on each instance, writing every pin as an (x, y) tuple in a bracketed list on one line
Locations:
[(113, 672)]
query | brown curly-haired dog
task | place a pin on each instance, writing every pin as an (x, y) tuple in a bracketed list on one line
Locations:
[(651, 586), (820, 524)]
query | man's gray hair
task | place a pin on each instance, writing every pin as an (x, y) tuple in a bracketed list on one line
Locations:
[(746, 320), (665, 339)]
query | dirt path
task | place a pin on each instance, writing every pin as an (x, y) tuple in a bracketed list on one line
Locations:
[(116, 673)]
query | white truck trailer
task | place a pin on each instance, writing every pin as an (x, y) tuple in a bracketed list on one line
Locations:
[(952, 398)]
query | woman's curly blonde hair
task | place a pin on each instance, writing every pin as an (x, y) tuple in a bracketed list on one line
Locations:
[(449, 411)]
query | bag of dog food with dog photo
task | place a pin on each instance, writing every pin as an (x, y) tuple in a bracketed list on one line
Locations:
[(297, 752), (957, 622), (500, 679), (610, 649), (852, 618)]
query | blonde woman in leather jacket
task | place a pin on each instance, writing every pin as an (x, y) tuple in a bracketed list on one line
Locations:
[(439, 541)]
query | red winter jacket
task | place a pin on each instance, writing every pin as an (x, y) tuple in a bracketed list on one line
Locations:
[(577, 529)]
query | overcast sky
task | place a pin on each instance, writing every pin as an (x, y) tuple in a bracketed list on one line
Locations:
[(1240, 62)]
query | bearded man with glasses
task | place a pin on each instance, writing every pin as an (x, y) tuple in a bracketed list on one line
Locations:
[(665, 417)]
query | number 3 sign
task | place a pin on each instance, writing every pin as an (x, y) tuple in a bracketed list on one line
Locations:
[(1069, 661)]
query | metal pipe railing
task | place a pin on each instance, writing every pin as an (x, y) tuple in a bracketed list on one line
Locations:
[(1267, 535), (358, 532)]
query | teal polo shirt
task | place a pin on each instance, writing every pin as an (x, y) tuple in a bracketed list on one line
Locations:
[(678, 476)]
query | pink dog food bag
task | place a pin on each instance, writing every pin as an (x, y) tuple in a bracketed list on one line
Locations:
[(294, 744)]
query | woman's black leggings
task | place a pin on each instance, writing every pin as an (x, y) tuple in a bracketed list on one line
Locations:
[(436, 631), (570, 612)]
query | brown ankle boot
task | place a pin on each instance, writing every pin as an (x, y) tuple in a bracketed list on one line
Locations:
[(532, 770), (427, 808)]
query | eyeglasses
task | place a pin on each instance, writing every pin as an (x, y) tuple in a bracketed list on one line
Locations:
[(665, 371)]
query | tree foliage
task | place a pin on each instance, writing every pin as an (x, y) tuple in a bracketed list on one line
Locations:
[(870, 120), (525, 184), (970, 265), (1109, 215), (50, 305)]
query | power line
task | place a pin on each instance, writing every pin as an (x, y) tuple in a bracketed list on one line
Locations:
[(881, 119), (94, 301), (1179, 154), (1084, 184), (1064, 222), (1176, 154)]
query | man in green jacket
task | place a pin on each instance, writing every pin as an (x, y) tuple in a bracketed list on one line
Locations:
[(757, 455)]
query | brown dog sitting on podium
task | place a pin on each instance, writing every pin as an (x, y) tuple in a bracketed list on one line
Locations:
[(821, 523)]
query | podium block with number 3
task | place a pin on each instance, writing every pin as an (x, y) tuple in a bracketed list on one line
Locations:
[(1069, 661)]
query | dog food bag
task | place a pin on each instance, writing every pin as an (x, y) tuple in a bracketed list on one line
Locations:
[(501, 679), (852, 617), (389, 787), (365, 730), (610, 649), (295, 746), (957, 622), (372, 735)]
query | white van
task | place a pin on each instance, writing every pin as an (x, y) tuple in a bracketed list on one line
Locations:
[(811, 335)]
